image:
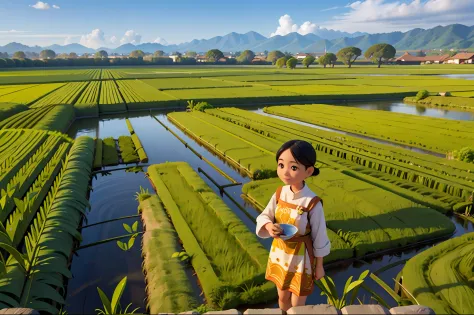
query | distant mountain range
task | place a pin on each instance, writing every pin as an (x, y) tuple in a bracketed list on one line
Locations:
[(441, 37)]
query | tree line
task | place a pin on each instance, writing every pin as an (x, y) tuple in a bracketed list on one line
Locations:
[(378, 53)]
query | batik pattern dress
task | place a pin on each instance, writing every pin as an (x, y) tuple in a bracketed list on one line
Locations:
[(290, 263)]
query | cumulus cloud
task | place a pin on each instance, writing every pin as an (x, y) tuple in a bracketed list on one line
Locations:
[(287, 26), (161, 41), (94, 39), (40, 5), (383, 15), (97, 38), (131, 37), (55, 6)]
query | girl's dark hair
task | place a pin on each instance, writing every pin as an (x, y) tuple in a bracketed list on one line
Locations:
[(302, 151)]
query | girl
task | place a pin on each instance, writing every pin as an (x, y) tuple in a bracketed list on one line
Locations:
[(294, 263)]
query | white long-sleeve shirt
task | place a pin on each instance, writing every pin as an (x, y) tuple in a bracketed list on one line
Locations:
[(321, 243)]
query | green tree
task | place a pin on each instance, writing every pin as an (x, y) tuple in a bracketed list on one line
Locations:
[(72, 55), (62, 56), (465, 155), (348, 55), (327, 59), (159, 53), (274, 55), (191, 54), (137, 54), (85, 55), (291, 63), (19, 55), (214, 55), (47, 54), (379, 53), (281, 62), (101, 54), (246, 56), (308, 60)]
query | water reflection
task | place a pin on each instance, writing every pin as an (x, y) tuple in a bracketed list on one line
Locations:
[(400, 107), (458, 76)]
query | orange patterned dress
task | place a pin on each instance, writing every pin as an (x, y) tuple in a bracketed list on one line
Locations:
[(291, 262)]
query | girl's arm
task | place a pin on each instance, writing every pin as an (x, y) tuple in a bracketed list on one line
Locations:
[(321, 243), (267, 216)]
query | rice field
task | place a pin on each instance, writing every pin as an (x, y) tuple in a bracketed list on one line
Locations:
[(439, 135), (379, 194), (44, 186), (441, 276)]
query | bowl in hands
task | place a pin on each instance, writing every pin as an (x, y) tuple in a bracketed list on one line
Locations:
[(289, 230)]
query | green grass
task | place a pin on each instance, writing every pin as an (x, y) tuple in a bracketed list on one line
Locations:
[(368, 219), (33, 93), (57, 118), (465, 103), (87, 105), (137, 143), (10, 109), (232, 95), (57, 201), (187, 83), (234, 146), (139, 95), (110, 100), (109, 152), (439, 135), (67, 94), (22, 76), (127, 150), (250, 140), (441, 277), (168, 288), (226, 255)]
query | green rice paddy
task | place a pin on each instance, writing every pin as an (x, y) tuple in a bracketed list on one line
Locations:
[(377, 197)]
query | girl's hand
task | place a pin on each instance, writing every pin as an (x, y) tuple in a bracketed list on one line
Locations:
[(274, 230), (319, 272)]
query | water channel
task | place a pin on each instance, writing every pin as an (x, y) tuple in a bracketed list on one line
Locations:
[(113, 195)]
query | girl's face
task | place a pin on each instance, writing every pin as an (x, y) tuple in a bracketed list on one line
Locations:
[(290, 171)]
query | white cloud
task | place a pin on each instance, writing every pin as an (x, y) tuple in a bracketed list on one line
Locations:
[(287, 26), (56, 6), (40, 5), (161, 41), (113, 40), (307, 28), (131, 37), (12, 32), (94, 39), (383, 15), (330, 9)]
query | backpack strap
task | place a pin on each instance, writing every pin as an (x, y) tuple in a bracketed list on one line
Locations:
[(278, 193), (313, 203)]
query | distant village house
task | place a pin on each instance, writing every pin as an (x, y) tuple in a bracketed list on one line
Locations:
[(407, 59), (462, 58)]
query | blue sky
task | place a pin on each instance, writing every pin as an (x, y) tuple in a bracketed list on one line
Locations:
[(111, 23)]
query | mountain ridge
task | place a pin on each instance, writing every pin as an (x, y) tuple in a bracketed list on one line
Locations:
[(440, 37)]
